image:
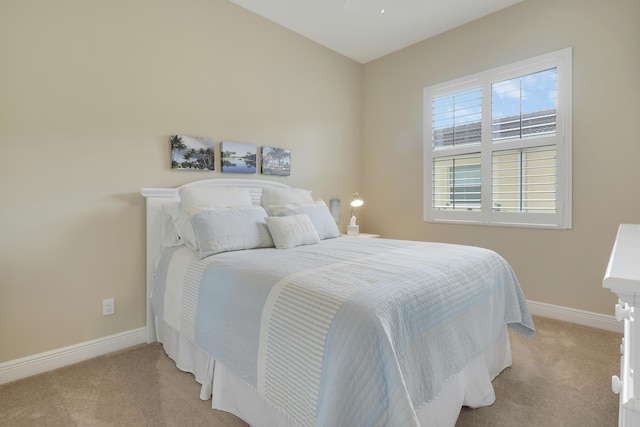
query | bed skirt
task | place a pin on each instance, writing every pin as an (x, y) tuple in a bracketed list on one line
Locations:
[(471, 387)]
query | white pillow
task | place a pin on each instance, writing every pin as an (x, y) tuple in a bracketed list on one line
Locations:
[(317, 211), (284, 196), (214, 197), (170, 236), (291, 231), (205, 196), (230, 229), (182, 224)]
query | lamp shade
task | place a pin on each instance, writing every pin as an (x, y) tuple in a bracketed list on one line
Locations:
[(357, 201)]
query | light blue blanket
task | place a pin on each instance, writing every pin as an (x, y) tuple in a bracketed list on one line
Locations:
[(346, 332)]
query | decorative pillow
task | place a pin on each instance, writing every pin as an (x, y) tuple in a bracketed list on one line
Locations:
[(284, 196), (317, 211), (291, 231), (230, 229), (214, 197)]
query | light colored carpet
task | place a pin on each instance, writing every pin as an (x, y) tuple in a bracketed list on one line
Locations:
[(561, 377)]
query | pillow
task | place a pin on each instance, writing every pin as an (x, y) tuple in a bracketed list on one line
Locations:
[(317, 211), (182, 224), (230, 229), (284, 196), (205, 196), (170, 236), (214, 197), (291, 231)]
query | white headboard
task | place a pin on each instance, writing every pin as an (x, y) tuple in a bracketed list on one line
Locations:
[(156, 198)]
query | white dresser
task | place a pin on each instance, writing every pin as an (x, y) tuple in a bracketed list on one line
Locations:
[(623, 278)]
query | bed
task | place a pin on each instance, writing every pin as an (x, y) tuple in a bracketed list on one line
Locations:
[(284, 321)]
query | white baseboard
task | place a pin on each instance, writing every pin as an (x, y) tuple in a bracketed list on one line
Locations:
[(38, 363), (580, 317)]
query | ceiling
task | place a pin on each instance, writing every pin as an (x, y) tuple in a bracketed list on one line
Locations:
[(359, 30)]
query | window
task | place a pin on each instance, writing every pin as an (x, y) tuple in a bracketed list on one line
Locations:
[(497, 145), (457, 182)]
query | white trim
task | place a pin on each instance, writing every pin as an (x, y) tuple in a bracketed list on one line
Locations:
[(572, 315), (38, 363), (49, 360)]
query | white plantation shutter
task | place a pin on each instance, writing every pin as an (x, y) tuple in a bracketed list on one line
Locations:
[(524, 180), (498, 144), (524, 106), (457, 118), (457, 182)]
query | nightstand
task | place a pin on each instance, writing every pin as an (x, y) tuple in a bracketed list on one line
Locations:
[(366, 235)]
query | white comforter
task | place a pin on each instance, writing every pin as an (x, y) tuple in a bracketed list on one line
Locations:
[(346, 332)]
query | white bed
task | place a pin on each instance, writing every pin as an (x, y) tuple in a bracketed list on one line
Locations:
[(231, 391)]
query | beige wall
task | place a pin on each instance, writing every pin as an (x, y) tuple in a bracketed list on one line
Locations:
[(90, 92), (556, 267)]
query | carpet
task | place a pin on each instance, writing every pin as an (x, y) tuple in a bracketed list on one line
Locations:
[(561, 377)]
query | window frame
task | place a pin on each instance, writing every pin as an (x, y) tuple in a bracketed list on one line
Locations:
[(561, 219)]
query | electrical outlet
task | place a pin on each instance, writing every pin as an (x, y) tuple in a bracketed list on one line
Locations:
[(108, 306)]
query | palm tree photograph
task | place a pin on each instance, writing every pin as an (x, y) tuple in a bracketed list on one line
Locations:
[(192, 153)]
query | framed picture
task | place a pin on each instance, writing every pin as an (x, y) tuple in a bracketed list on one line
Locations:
[(238, 157), (276, 161), (192, 153)]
